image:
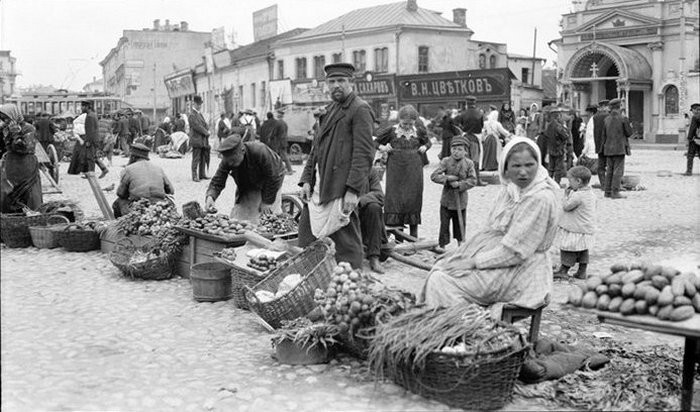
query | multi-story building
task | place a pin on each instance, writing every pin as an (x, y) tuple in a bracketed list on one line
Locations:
[(95, 86), (8, 74), (135, 68), (645, 52)]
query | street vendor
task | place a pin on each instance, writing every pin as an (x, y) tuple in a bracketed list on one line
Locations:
[(507, 261), (258, 172), (141, 179), (20, 182)]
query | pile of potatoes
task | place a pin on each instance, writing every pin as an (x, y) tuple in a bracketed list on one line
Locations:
[(641, 289)]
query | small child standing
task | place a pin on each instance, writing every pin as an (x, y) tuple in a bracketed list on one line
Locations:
[(577, 223), (457, 175)]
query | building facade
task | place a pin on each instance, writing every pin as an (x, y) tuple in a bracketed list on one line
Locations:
[(135, 68), (8, 74), (643, 51)]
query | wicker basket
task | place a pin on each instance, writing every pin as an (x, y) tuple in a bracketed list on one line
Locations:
[(158, 268), (77, 238), (241, 279), (14, 228), (315, 264), (477, 381), (44, 237)]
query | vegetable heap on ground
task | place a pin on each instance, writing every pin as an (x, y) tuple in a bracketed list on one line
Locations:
[(146, 218), (408, 339), (220, 225), (277, 224), (354, 302), (306, 333), (641, 289)]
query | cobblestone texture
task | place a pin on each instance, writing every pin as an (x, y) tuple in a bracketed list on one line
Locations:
[(78, 336)]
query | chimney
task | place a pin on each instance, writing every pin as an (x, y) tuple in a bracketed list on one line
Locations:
[(167, 25), (459, 16), (184, 26), (156, 24), (412, 5), (176, 27)]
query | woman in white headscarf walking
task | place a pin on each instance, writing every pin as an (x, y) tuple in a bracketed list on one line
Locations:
[(495, 136), (507, 261)]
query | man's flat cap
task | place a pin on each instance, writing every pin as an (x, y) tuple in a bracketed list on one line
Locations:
[(230, 143), (339, 69)]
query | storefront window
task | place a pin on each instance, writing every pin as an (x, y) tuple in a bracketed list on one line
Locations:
[(671, 100), (423, 59)]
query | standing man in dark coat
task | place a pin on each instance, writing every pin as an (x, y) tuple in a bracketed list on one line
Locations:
[(134, 126), (86, 154), (45, 130), (199, 140), (471, 121), (124, 133), (576, 135), (616, 146), (557, 137), (268, 130), (598, 126), (448, 131), (693, 138), (342, 152), (280, 146)]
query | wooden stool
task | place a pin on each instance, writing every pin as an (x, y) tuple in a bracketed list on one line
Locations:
[(514, 313)]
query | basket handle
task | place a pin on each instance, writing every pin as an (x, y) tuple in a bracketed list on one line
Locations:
[(61, 219), (124, 240)]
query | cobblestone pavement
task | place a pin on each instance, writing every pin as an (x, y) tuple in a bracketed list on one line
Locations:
[(77, 336)]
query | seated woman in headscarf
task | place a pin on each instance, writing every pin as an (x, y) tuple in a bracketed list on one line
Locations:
[(506, 262), (20, 183)]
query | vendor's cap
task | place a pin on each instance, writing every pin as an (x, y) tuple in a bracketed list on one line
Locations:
[(339, 70), (591, 107), (493, 107), (603, 103), (694, 106), (248, 111), (86, 103), (459, 141), (470, 99), (197, 99), (139, 150), (615, 103), (230, 143)]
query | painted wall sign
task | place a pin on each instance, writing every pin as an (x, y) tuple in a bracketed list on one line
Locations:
[(493, 84), (181, 85), (631, 32)]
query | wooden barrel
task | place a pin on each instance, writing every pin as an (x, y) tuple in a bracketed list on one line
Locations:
[(211, 282)]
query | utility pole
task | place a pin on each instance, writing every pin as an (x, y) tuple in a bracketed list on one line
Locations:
[(534, 56), (155, 120)]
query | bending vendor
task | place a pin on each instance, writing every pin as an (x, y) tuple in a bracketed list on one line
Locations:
[(258, 173), (141, 179), (507, 261)]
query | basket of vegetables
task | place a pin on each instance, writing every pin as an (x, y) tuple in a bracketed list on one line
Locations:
[(80, 237), (153, 260), (312, 268), (14, 227), (44, 237), (457, 355), (301, 342)]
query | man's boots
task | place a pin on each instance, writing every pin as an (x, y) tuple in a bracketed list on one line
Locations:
[(581, 272), (562, 273), (689, 167), (375, 265)]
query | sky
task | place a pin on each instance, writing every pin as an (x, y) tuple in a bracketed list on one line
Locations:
[(61, 42)]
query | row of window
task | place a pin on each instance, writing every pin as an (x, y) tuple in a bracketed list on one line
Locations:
[(253, 102), (359, 60)]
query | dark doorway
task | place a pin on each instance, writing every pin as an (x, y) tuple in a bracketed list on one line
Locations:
[(636, 114), (611, 85)]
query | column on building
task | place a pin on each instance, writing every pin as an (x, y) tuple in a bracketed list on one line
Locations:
[(657, 73)]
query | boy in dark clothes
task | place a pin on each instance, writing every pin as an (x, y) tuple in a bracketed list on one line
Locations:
[(457, 175)]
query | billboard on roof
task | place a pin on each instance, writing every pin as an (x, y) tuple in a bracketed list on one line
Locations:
[(265, 23)]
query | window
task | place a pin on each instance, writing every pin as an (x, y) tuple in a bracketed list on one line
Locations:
[(301, 67), (263, 92), (492, 62), (240, 96), (525, 75), (319, 63), (280, 69), (381, 60), (671, 100), (423, 59), (359, 59), (482, 61), (252, 95), (337, 57)]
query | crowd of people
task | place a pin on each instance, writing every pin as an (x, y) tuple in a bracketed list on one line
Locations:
[(507, 261)]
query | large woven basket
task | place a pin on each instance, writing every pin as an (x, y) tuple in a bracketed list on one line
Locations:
[(77, 238), (240, 279), (315, 264), (475, 381), (157, 268), (14, 228), (44, 237)]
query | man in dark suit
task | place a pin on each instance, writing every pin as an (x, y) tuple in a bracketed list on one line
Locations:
[(371, 211), (342, 152), (471, 122), (693, 139), (616, 146), (199, 140), (598, 126)]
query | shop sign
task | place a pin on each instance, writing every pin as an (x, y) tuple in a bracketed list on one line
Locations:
[(310, 92), (375, 86), (491, 84), (181, 85), (639, 31)]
